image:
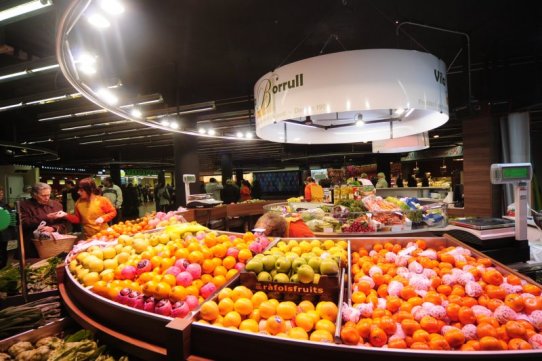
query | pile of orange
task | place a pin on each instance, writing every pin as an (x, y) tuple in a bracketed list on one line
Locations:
[(242, 309), (128, 228), (496, 315)]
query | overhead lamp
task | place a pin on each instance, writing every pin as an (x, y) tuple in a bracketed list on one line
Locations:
[(98, 21), (87, 64), (174, 125), (29, 7), (249, 135), (113, 7), (239, 134), (164, 122), (409, 143), (211, 132), (107, 96), (321, 100), (28, 71), (202, 131), (136, 113)]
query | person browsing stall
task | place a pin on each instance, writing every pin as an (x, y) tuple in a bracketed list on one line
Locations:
[(92, 211), (275, 225), (381, 182), (37, 209), (113, 192), (313, 192)]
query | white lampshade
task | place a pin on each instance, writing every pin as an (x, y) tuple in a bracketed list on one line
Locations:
[(396, 93), (409, 143)]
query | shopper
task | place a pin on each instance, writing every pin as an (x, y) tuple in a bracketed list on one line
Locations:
[(161, 197), (245, 191), (275, 225), (92, 210), (131, 202), (381, 182), (5, 234), (68, 203), (230, 193), (412, 182), (213, 188), (37, 209), (399, 181), (313, 192), (113, 192), (256, 192)]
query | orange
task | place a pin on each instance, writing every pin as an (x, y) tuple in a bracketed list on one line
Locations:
[(513, 280), (350, 336), (420, 336), (377, 337), (275, 325), (305, 321), (225, 293), (486, 329), (244, 255), (298, 333), (258, 297), (178, 293), (209, 311), (229, 262), (219, 281), (515, 329), (397, 342), (364, 327), (492, 277), (231, 273), (306, 305), (325, 325), (429, 324), (241, 291), (321, 336), (358, 297), (419, 346), (225, 305), (327, 310), (287, 310), (388, 325), (519, 344), (532, 304), (514, 301), (410, 326), (232, 318), (249, 325), (439, 342), (243, 306), (532, 289), (454, 337), (489, 343), (267, 309), (466, 315)]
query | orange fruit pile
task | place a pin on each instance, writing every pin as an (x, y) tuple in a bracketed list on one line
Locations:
[(439, 299)]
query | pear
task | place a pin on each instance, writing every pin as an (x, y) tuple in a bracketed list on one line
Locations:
[(329, 266), (254, 265), (296, 263), (264, 277), (281, 278), (283, 264), (269, 262), (305, 274), (315, 262)]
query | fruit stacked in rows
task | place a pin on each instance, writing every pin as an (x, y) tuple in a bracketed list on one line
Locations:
[(439, 299), (303, 261), (240, 308), (145, 223), (169, 272)]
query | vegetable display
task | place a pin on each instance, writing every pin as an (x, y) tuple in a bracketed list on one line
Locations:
[(17, 319)]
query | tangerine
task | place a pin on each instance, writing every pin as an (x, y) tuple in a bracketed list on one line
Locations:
[(350, 336)]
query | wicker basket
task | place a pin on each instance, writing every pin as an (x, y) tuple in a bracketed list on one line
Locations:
[(51, 247)]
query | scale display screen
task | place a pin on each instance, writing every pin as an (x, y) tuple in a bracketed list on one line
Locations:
[(515, 173), (511, 173)]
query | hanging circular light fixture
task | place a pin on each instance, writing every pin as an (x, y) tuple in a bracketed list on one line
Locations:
[(352, 96)]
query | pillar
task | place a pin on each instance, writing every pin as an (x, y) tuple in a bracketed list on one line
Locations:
[(480, 150), (186, 160), (239, 176), (114, 172), (226, 166)]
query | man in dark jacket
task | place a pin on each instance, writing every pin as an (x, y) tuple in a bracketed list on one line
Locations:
[(230, 193)]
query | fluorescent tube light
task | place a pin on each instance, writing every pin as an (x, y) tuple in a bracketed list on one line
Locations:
[(28, 72), (24, 8)]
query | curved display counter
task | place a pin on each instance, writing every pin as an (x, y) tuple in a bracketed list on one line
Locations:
[(153, 337)]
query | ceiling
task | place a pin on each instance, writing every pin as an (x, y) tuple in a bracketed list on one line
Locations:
[(197, 51)]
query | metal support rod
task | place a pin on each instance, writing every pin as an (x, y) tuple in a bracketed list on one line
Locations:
[(22, 260), (447, 31)]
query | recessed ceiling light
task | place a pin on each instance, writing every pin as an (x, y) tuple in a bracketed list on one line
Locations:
[(436, 136), (114, 7), (136, 113), (98, 20), (174, 125), (249, 135), (201, 131), (211, 132), (239, 135)]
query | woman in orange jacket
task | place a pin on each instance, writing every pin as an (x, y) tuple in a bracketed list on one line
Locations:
[(92, 211), (245, 191), (275, 225)]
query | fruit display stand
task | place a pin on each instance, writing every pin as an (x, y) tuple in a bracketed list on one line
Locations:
[(154, 337), (246, 211)]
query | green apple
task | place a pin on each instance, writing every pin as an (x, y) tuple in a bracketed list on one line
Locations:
[(294, 278), (298, 262), (305, 273), (254, 265), (269, 262), (281, 278), (329, 266), (315, 262), (283, 264), (307, 256), (264, 277), (316, 278), (273, 272)]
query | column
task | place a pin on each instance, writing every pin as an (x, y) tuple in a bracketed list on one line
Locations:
[(480, 150), (226, 167), (239, 176), (185, 155), (114, 171)]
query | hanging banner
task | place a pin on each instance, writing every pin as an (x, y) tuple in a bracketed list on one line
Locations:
[(434, 153)]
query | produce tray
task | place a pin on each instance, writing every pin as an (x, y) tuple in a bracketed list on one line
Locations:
[(50, 329)]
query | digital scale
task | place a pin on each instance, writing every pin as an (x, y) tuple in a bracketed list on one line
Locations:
[(504, 239), (197, 200)]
